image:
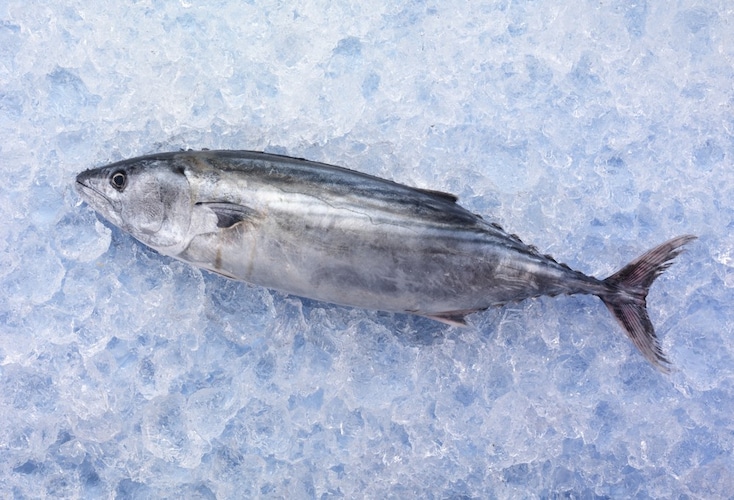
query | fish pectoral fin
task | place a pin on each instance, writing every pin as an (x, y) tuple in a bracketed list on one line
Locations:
[(450, 318), (229, 214)]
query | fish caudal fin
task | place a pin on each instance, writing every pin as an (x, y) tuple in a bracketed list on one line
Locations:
[(627, 292)]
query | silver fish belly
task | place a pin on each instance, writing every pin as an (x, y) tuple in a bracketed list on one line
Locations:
[(336, 235)]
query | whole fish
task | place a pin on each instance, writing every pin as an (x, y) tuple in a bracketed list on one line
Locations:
[(337, 235)]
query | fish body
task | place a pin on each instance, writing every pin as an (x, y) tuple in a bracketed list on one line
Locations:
[(333, 234)]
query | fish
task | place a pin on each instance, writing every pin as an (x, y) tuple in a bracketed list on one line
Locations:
[(337, 235)]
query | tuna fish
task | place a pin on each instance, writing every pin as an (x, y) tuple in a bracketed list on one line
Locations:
[(336, 235)]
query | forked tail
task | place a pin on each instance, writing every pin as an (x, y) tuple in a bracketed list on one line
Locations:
[(627, 292)]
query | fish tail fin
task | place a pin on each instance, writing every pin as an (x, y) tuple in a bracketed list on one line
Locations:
[(626, 294)]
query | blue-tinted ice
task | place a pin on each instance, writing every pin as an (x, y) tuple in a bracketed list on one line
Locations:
[(592, 130)]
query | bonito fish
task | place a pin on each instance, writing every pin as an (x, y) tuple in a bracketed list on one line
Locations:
[(340, 236)]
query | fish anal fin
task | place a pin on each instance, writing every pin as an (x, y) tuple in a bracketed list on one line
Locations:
[(221, 273), (229, 214), (450, 318)]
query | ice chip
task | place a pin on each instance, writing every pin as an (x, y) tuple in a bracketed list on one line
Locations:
[(168, 436)]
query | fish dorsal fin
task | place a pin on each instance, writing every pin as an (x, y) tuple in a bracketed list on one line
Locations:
[(446, 196), (229, 214)]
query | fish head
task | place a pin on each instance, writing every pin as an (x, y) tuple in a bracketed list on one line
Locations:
[(148, 197)]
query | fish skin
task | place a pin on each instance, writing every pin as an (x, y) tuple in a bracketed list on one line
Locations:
[(333, 234)]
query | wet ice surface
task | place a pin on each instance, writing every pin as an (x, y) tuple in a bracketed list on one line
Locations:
[(593, 130)]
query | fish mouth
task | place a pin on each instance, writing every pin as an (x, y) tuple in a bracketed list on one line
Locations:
[(91, 195), (85, 188), (83, 178), (82, 188)]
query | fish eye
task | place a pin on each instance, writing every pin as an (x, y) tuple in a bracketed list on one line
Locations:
[(118, 181)]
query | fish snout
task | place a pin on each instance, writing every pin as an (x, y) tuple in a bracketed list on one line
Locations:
[(82, 180), (88, 187)]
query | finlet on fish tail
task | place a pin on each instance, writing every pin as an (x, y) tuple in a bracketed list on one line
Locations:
[(627, 292)]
